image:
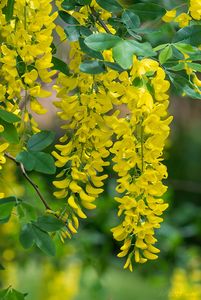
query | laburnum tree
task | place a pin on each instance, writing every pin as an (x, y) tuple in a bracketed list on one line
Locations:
[(112, 95)]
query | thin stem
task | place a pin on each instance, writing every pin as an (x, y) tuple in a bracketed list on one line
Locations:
[(100, 21), (34, 185), (142, 146)]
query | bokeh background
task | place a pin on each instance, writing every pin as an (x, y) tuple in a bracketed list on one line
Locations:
[(86, 267)]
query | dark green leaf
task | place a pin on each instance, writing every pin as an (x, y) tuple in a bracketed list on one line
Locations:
[(9, 133), (67, 18), (60, 65), (148, 11), (8, 116), (41, 140), (189, 35), (8, 200), (1, 267), (5, 211), (110, 5), (27, 159), (43, 241), (88, 51), (68, 4), (92, 67), (102, 41), (21, 66), (84, 2), (8, 10), (49, 223), (44, 163), (183, 85), (113, 66), (27, 236)]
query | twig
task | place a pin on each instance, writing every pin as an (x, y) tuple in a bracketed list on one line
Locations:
[(100, 21), (34, 185)]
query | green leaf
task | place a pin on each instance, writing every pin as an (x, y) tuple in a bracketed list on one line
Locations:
[(125, 58), (185, 48), (194, 66), (72, 32), (110, 5), (27, 159), (165, 54), (41, 140), (43, 241), (9, 133), (68, 4), (130, 19), (1, 267), (8, 200), (113, 66), (88, 51), (84, 2), (102, 41), (8, 116), (183, 85), (160, 47), (49, 223), (147, 11), (67, 18), (27, 236), (189, 35), (44, 163), (29, 210), (60, 65), (11, 294), (5, 211), (122, 57), (8, 10), (92, 67), (39, 161), (141, 49), (21, 66)]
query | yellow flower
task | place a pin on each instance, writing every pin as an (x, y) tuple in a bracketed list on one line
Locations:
[(183, 20), (169, 16)]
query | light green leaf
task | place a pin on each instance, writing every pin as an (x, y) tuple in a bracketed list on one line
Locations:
[(130, 19), (102, 41), (165, 54)]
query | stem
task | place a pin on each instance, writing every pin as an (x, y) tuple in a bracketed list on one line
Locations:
[(142, 146), (100, 21), (34, 185)]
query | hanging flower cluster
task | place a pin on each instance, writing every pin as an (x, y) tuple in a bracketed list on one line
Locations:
[(183, 19), (91, 106), (25, 52)]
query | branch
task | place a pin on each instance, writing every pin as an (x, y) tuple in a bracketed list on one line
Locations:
[(34, 185), (100, 21)]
